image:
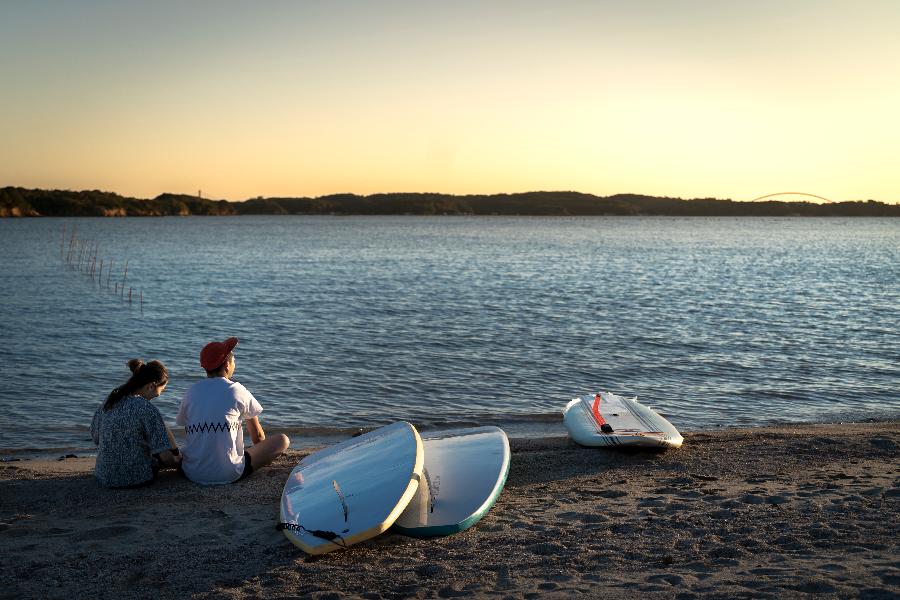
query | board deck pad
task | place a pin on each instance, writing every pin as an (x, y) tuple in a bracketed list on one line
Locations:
[(352, 491), (465, 471), (617, 421)]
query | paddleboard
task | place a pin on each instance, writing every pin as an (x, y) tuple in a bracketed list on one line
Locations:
[(465, 470), (605, 419), (352, 491)]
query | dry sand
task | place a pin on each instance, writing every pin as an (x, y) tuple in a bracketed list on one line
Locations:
[(778, 512)]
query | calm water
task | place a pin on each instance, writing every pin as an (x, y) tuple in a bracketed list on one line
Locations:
[(350, 322)]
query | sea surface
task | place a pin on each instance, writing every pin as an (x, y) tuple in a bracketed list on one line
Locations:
[(353, 322)]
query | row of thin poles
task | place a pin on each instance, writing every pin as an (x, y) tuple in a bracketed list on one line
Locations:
[(81, 255)]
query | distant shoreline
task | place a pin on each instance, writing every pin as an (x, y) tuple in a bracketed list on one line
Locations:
[(22, 202)]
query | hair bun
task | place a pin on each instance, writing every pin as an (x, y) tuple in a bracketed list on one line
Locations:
[(135, 364)]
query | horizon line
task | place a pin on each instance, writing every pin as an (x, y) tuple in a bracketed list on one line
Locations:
[(200, 196)]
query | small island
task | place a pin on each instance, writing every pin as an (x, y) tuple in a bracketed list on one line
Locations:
[(22, 202)]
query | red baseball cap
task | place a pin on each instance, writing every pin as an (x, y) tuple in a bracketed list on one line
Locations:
[(214, 353)]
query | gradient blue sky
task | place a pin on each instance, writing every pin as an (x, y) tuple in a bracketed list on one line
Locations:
[(685, 98)]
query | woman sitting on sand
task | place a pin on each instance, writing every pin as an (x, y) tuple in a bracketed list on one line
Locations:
[(212, 413), (133, 438)]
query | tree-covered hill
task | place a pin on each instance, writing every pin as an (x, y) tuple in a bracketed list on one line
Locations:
[(21, 202)]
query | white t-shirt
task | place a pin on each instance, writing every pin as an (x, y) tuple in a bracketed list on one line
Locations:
[(212, 413)]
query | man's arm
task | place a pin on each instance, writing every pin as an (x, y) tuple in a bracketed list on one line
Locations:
[(255, 430)]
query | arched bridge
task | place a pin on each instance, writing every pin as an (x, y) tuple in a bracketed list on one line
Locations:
[(767, 196)]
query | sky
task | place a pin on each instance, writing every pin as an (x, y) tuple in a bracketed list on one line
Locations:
[(305, 98)]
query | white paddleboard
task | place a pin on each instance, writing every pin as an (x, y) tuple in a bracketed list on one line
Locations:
[(465, 470), (617, 421), (351, 491)]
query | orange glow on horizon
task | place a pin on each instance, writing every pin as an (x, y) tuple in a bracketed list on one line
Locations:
[(308, 100)]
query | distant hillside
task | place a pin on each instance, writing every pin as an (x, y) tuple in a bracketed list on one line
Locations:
[(21, 202)]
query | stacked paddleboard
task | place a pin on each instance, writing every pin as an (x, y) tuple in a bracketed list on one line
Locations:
[(353, 491), (464, 473), (605, 419)]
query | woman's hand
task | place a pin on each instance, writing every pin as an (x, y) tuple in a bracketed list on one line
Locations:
[(168, 459)]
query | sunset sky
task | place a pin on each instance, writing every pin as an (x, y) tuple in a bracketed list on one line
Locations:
[(664, 97)]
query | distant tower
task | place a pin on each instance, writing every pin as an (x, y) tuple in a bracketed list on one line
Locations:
[(200, 194)]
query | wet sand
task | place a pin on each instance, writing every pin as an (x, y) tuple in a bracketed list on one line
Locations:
[(776, 512)]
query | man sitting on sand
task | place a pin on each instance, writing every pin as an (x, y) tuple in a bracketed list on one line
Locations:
[(212, 412)]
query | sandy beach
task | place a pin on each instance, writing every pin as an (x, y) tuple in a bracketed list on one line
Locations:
[(775, 512)]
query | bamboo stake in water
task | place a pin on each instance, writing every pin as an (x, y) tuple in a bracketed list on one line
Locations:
[(142, 300), (108, 273), (124, 275), (62, 244), (100, 273), (71, 245), (129, 295)]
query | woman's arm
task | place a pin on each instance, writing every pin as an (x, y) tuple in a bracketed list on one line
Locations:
[(255, 430), (171, 437), (95, 427)]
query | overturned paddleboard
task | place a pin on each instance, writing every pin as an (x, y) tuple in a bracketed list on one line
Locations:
[(351, 491), (605, 419), (465, 470)]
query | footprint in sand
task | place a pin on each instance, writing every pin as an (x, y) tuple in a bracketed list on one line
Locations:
[(583, 517), (689, 494), (758, 480), (884, 444), (652, 502), (102, 533), (17, 532), (670, 578), (679, 481), (610, 494), (547, 549), (890, 577), (777, 499), (431, 570)]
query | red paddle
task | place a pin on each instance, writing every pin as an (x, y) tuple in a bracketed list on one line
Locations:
[(604, 426)]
